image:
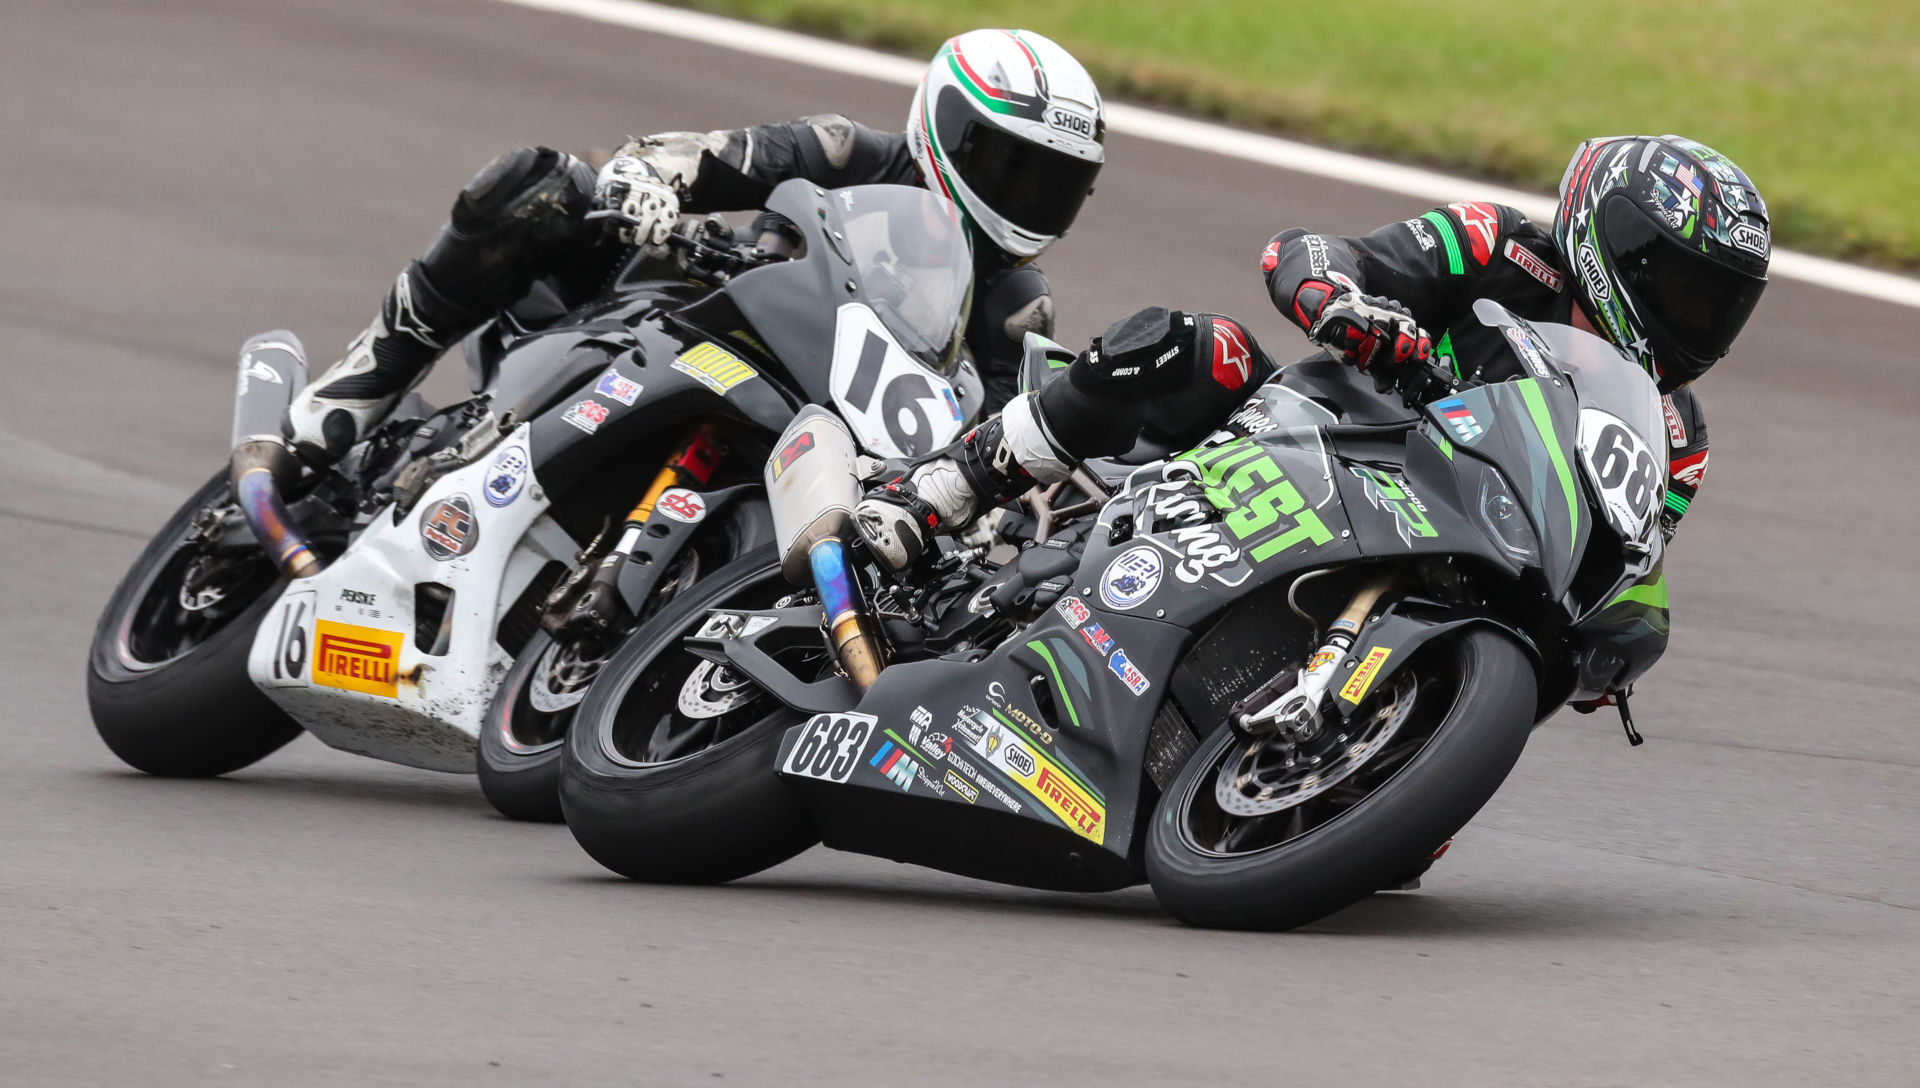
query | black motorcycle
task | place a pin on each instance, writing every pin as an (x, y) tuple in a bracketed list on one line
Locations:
[(465, 572), (1269, 676)]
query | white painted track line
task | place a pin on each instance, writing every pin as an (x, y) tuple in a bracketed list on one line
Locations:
[(793, 48)]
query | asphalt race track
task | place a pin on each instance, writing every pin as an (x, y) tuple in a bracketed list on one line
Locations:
[(1737, 902)]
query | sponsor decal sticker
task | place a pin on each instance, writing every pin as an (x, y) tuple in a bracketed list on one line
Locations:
[(893, 761), (587, 415), (1132, 577), (1532, 264), (355, 658), (1075, 610), (1035, 772), (1483, 227), (507, 476), (682, 505), (1363, 675), (1097, 638), (714, 367), (922, 717), (1460, 419), (1523, 343), (448, 528), (1321, 660), (794, 450), (1135, 680), (355, 596), (829, 746), (1419, 231), (615, 386), (962, 787)]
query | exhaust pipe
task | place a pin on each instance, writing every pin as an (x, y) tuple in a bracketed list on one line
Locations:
[(273, 367)]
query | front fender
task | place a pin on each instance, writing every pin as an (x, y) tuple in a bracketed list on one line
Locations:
[(1391, 639)]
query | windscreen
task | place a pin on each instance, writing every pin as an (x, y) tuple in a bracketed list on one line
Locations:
[(1603, 378), (912, 264)]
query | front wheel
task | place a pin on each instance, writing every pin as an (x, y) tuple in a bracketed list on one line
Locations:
[(1255, 835), (167, 673), (669, 767)]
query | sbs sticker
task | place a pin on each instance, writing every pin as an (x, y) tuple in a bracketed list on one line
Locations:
[(681, 505), (829, 746)]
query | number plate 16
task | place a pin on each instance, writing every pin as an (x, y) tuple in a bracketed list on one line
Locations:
[(896, 407), (830, 746)]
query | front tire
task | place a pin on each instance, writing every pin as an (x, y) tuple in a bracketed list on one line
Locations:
[(167, 679), (655, 792), (1209, 867)]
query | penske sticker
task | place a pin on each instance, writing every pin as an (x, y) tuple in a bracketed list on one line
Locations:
[(1061, 793), (713, 366), (1363, 677), (356, 658)]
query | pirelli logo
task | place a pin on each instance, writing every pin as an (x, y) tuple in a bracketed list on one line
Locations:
[(1063, 796), (356, 658), (713, 366), (1363, 676)]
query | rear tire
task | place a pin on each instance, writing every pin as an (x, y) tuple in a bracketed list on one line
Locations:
[(188, 710), (710, 815), (1391, 832)]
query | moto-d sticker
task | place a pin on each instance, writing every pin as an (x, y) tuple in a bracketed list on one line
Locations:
[(1363, 676), (357, 658)]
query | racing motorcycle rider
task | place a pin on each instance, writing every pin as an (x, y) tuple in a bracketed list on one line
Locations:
[(1659, 244), (1005, 123)]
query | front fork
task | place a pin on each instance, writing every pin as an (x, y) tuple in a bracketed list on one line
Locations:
[(576, 612), (1290, 705)]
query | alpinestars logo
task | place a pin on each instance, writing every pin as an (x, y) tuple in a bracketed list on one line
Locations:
[(1232, 359), (1483, 228)]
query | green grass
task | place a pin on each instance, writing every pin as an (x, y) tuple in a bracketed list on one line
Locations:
[(1819, 100)]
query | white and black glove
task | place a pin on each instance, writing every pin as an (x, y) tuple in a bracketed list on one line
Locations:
[(630, 191)]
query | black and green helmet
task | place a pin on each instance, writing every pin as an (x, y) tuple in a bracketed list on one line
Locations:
[(1667, 242)]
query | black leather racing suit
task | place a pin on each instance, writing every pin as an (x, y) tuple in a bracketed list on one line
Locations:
[(1437, 265), (524, 217)]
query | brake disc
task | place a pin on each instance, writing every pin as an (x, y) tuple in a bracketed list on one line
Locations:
[(1272, 775), (712, 690)]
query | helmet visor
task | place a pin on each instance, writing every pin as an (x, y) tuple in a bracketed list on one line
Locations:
[(1698, 302), (1032, 186)]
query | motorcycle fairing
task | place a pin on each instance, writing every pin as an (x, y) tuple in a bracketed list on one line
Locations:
[(413, 705), (1046, 732)]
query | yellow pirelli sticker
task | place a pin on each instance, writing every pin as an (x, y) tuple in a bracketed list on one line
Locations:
[(357, 658), (1362, 677), (713, 366)]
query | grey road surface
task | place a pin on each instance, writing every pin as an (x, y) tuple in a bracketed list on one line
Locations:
[(1737, 902)]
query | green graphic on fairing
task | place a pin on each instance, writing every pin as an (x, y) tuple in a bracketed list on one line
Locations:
[(1242, 479), (1443, 351), (1059, 682), (1652, 594), (1543, 422), (1392, 496)]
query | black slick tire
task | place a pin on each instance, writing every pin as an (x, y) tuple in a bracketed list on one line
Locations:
[(198, 715), (1392, 832), (713, 816)]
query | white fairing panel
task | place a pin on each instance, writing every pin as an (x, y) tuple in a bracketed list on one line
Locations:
[(896, 406), (340, 653)]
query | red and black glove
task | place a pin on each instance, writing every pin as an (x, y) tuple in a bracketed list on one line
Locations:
[(1377, 335)]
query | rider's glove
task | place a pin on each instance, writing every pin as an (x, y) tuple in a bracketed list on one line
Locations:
[(1377, 335), (900, 519), (629, 190)]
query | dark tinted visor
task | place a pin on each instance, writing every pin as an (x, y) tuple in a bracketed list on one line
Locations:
[(1701, 304), (1035, 188)]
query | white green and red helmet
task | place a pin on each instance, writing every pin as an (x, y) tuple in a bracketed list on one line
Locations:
[(1010, 127)]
